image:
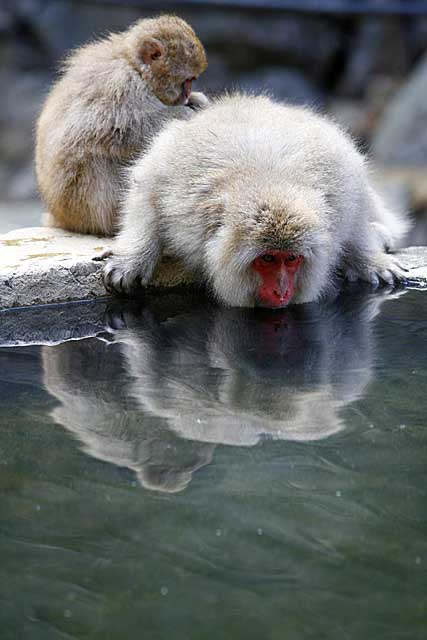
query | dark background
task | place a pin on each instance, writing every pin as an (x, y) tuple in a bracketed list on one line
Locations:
[(364, 62)]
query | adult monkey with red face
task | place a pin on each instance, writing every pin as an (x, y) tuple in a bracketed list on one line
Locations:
[(268, 202)]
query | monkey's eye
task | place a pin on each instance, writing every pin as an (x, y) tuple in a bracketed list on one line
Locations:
[(267, 257), (291, 257)]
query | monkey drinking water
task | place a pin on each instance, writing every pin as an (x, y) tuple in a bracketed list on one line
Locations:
[(113, 95), (268, 204)]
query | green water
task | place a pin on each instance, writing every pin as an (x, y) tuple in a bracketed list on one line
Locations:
[(201, 473)]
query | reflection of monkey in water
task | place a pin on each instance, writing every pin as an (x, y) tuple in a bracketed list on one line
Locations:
[(79, 374), (187, 378), (113, 96), (231, 376)]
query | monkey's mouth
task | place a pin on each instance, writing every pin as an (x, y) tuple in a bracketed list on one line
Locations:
[(185, 91), (181, 100), (278, 303), (278, 298)]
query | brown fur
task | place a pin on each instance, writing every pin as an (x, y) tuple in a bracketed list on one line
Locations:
[(112, 97)]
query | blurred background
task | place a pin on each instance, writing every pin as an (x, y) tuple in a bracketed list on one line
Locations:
[(362, 61)]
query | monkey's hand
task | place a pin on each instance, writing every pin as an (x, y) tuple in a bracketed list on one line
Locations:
[(103, 256), (380, 269), (122, 275), (197, 100)]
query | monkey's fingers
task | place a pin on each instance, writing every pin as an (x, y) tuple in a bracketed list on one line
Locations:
[(387, 277), (386, 272), (400, 265), (391, 275), (103, 256), (113, 279), (197, 100), (398, 270), (118, 279)]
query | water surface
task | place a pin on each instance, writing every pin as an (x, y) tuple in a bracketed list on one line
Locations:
[(13, 215), (202, 473)]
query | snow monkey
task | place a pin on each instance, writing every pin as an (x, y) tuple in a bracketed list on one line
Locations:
[(271, 204), (113, 95)]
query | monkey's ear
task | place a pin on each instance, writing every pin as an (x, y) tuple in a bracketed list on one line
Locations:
[(152, 49)]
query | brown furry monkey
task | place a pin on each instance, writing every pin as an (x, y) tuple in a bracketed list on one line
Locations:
[(112, 97)]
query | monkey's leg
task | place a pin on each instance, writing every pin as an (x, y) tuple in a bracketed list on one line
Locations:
[(84, 196), (137, 248), (103, 183)]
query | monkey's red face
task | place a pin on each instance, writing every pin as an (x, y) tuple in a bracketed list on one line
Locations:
[(277, 270)]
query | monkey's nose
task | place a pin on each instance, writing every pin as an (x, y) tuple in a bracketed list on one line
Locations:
[(281, 289), (280, 295)]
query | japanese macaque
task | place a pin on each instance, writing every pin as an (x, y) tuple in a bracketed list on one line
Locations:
[(78, 375), (272, 203), (113, 96)]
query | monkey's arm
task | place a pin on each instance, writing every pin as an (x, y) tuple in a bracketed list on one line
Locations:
[(137, 248), (366, 257), (387, 224)]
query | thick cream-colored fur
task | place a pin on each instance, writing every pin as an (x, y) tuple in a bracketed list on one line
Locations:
[(245, 176)]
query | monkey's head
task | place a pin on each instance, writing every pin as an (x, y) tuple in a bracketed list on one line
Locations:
[(273, 248), (168, 55)]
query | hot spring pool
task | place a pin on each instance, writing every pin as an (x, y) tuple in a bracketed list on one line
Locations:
[(204, 473)]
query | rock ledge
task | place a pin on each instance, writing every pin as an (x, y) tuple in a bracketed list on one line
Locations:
[(42, 265)]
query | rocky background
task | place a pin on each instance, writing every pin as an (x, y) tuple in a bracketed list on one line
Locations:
[(369, 72)]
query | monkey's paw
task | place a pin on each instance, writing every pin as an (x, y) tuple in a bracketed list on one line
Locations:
[(385, 270), (103, 256), (123, 278), (197, 100)]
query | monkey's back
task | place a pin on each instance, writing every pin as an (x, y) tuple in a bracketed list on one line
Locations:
[(247, 128), (248, 143)]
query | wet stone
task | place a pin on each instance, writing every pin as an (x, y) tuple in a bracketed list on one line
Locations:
[(42, 265)]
